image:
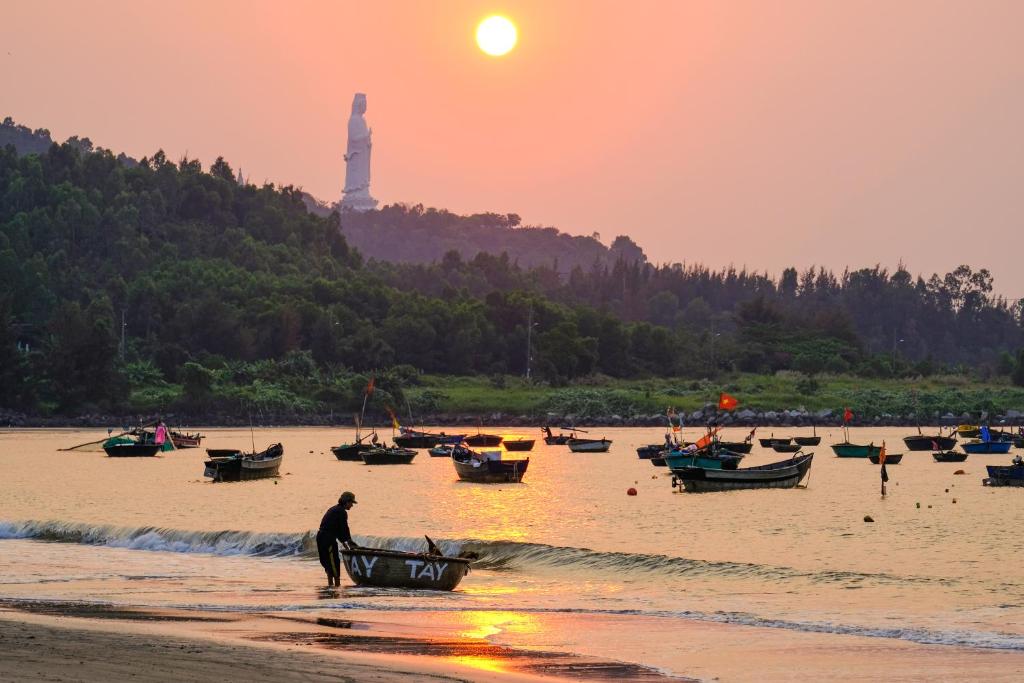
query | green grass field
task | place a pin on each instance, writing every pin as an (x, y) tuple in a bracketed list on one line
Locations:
[(785, 390)]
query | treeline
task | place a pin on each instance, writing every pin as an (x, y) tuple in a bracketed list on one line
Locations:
[(401, 233), (161, 284)]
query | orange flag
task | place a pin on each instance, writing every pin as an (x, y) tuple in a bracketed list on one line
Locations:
[(369, 387), (727, 402), (706, 439), (847, 415)]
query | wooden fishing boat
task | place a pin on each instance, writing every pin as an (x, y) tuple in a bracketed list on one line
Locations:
[(718, 459), (414, 438), (589, 445), (518, 444), (852, 450), (890, 458), (483, 469), (440, 451), (968, 431), (777, 475), (481, 440), (767, 443), (785, 447), (121, 447), (394, 569), (388, 456), (1006, 475), (246, 466), (659, 461), (1018, 442), (650, 450), (560, 440), (352, 452), (986, 447), (929, 442), (222, 452), (737, 446), (949, 456), (186, 439), (812, 440)]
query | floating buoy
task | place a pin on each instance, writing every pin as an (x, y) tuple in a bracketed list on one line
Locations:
[(954, 501), (918, 505), (631, 491), (868, 518), (929, 507), (959, 472), (947, 490)]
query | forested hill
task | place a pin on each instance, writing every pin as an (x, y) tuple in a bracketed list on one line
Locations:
[(236, 295), (412, 234)]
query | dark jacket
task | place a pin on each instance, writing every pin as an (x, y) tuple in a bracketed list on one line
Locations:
[(335, 524)]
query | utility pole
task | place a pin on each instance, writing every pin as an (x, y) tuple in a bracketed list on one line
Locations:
[(123, 326)]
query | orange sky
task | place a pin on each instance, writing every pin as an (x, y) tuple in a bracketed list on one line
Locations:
[(753, 133)]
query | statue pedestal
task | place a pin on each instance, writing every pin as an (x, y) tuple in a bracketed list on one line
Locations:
[(358, 202)]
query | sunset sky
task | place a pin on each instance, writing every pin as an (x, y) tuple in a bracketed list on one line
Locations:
[(752, 133)]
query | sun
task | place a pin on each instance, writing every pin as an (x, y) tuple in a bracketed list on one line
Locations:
[(496, 35)]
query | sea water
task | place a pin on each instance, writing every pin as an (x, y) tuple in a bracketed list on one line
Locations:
[(939, 565)]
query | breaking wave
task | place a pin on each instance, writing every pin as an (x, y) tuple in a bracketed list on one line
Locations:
[(493, 555)]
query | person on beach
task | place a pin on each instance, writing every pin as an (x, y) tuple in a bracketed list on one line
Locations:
[(334, 529), (161, 433)]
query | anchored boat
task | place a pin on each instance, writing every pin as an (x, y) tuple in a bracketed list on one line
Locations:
[(488, 467), (388, 456), (246, 466), (778, 475), (589, 445)]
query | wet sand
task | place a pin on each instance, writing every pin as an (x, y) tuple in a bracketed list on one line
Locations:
[(49, 641), (45, 641)]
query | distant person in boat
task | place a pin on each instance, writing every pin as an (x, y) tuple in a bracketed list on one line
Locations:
[(334, 529)]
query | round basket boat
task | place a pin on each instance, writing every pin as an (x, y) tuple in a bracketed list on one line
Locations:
[(394, 569)]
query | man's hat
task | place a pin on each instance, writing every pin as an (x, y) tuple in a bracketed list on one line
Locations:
[(347, 497)]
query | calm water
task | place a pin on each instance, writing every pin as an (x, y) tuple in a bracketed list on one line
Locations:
[(568, 541)]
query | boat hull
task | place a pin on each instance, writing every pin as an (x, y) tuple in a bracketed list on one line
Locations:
[(392, 456), (852, 450), (483, 440), (786, 447), (949, 456), (807, 440), (186, 440), (243, 467), (1004, 475), (780, 475), (721, 461), (743, 447), (890, 458), (929, 443), (519, 444), (987, 447), (132, 450), (352, 452), (589, 445), (390, 569), (491, 471)]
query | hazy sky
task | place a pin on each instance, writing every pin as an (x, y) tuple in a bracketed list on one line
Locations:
[(764, 134)]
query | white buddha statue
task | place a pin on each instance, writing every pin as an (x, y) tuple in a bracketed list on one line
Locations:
[(357, 160)]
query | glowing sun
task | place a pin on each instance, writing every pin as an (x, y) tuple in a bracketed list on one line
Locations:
[(496, 35)]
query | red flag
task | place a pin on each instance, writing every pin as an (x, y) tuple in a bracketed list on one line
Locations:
[(727, 402), (847, 415), (369, 387)]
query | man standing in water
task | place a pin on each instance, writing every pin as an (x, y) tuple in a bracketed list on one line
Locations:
[(334, 528)]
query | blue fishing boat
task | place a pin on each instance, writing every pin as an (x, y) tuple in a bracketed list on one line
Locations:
[(986, 447), (719, 459), (1005, 475)]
